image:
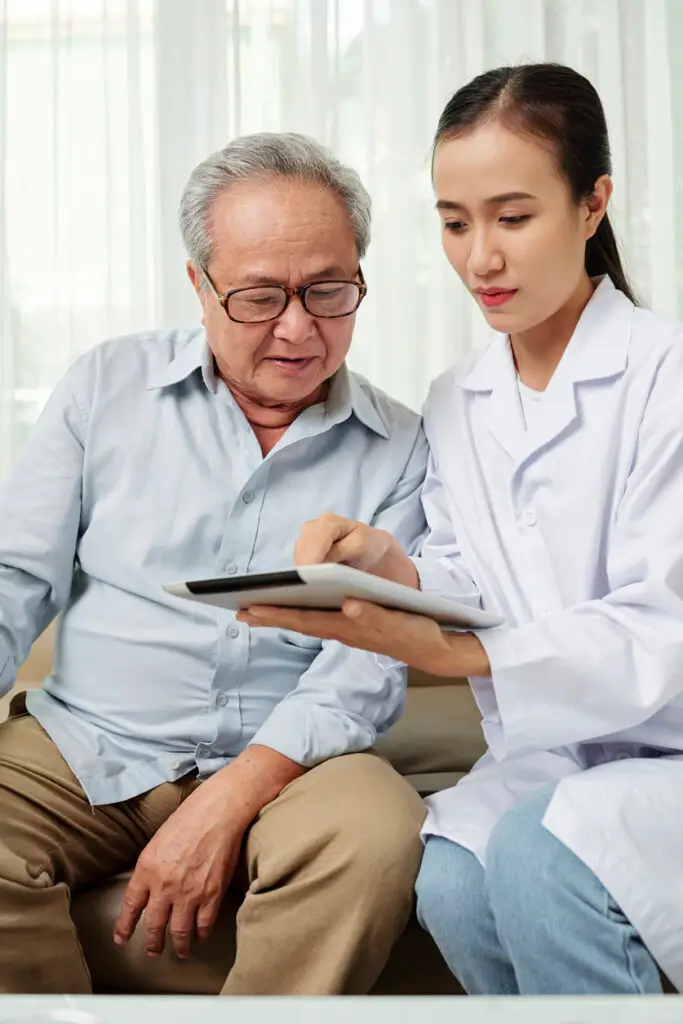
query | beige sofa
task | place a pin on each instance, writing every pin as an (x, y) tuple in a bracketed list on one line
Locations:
[(437, 740)]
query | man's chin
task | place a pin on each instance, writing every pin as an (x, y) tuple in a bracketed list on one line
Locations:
[(293, 391)]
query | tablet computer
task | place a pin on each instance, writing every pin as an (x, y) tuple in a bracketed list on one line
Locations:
[(326, 587)]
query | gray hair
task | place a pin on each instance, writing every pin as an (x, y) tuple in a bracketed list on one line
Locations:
[(268, 155)]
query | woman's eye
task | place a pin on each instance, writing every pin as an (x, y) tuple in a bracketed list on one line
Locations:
[(515, 220), (453, 225)]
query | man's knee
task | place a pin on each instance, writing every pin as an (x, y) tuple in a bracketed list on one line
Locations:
[(352, 816), (375, 816)]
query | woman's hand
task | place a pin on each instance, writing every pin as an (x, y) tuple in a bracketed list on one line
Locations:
[(413, 639), (331, 538)]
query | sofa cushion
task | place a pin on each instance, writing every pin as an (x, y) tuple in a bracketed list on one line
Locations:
[(439, 732), (415, 966)]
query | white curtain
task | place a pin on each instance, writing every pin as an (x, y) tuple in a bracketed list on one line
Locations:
[(106, 105)]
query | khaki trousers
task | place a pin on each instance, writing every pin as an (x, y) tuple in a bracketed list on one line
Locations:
[(329, 867)]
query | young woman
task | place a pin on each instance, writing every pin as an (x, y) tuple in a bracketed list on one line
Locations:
[(555, 499)]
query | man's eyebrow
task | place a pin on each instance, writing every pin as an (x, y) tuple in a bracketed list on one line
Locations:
[(327, 273), (498, 200)]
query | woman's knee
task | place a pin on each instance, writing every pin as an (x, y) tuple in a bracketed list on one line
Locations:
[(525, 863), (450, 886)]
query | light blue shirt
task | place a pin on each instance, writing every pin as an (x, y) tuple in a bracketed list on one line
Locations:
[(142, 470)]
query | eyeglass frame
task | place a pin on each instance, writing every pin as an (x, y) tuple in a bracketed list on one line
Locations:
[(224, 299)]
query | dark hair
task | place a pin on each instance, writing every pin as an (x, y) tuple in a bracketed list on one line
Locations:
[(555, 103)]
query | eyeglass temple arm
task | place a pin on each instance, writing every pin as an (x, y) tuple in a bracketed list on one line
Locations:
[(212, 288)]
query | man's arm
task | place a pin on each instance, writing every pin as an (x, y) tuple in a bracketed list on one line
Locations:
[(341, 704), (346, 698), (40, 510)]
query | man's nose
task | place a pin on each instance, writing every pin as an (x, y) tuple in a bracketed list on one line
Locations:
[(295, 324)]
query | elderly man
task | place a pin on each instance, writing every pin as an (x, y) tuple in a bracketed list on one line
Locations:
[(169, 737)]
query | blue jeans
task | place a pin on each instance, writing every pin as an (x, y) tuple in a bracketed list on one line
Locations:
[(536, 920)]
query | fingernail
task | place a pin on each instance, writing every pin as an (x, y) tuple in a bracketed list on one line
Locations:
[(352, 609), (118, 941)]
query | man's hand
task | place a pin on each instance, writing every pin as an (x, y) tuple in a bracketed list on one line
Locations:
[(182, 874), (331, 538), (413, 639)]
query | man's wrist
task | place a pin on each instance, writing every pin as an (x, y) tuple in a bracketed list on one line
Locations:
[(255, 778)]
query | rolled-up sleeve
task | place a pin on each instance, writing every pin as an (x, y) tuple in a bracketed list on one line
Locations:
[(40, 507), (342, 703), (347, 698)]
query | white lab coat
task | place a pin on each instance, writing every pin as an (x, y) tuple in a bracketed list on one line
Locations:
[(573, 531)]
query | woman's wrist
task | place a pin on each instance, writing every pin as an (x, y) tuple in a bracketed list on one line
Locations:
[(398, 567), (463, 655)]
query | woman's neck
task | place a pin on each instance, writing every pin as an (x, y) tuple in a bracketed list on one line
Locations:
[(538, 351)]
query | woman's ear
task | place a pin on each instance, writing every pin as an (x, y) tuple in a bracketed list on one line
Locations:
[(596, 204)]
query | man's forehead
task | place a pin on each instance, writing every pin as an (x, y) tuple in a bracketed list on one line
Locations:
[(289, 271), (260, 240)]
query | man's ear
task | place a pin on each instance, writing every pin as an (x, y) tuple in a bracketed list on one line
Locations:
[(596, 204), (197, 278)]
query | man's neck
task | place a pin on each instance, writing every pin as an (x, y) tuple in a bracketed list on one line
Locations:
[(270, 420)]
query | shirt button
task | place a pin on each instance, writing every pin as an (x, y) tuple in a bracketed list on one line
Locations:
[(234, 632), (231, 570), (529, 517), (203, 750), (175, 765), (221, 700), (622, 755), (248, 497)]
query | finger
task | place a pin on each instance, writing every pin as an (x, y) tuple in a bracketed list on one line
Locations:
[(134, 902), (320, 624), (374, 616), (206, 919), (377, 616), (156, 921), (182, 928), (319, 539)]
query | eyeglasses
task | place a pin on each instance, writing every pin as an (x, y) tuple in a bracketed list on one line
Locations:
[(260, 303)]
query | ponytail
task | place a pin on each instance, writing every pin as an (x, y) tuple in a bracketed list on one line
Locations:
[(602, 257)]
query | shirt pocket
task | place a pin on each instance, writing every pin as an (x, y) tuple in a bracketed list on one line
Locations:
[(300, 640)]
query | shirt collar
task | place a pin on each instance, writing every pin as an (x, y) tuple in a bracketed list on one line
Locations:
[(346, 395), (193, 356), (598, 348)]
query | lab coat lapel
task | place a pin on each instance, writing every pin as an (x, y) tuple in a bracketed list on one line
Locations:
[(494, 372), (598, 350)]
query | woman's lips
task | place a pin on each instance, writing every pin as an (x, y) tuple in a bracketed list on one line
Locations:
[(492, 297)]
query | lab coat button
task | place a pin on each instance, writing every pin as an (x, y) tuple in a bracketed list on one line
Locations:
[(529, 517)]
